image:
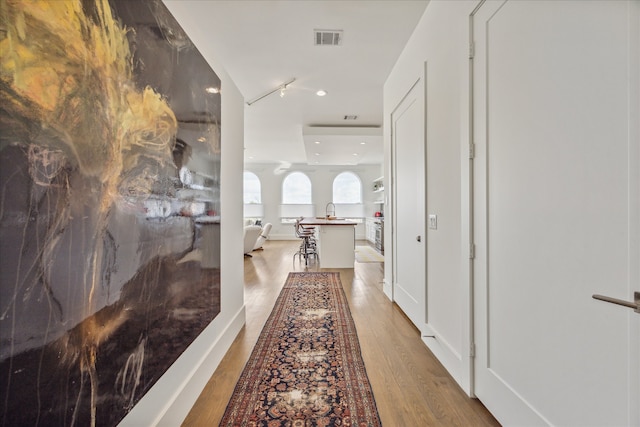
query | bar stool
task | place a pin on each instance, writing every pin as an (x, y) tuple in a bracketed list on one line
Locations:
[(308, 246)]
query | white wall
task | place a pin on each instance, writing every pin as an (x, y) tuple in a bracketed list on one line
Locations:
[(322, 186), (173, 395), (441, 41)]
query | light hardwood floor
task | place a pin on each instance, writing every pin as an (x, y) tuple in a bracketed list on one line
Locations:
[(410, 386)]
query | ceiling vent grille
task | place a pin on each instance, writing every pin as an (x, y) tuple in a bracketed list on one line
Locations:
[(327, 37), (350, 117)]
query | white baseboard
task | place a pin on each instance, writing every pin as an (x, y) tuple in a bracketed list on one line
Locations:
[(169, 401), (387, 289)]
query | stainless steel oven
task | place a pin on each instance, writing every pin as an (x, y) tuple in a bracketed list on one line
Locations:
[(379, 242)]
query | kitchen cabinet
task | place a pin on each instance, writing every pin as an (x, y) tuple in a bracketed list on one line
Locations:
[(370, 229)]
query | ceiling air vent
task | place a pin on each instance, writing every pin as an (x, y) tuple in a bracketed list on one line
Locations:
[(350, 117), (327, 37)]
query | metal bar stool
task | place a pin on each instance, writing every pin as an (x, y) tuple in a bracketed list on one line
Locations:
[(308, 247)]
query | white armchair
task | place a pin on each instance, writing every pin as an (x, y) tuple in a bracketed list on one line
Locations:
[(264, 234), (251, 234)]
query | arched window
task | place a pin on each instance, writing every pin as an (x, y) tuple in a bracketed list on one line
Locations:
[(347, 188), (347, 196), (296, 189), (296, 197), (252, 188)]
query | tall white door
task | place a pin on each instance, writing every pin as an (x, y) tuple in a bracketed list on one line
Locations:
[(407, 144), (556, 108)]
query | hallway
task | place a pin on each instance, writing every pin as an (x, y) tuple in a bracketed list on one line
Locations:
[(411, 388)]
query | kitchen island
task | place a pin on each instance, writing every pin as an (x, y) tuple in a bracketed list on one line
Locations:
[(336, 241)]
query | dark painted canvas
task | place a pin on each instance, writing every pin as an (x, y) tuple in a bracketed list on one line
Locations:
[(109, 205)]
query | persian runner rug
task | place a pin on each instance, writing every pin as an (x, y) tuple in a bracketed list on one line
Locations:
[(306, 368)]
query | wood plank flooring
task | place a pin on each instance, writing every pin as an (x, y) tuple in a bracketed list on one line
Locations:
[(410, 386)]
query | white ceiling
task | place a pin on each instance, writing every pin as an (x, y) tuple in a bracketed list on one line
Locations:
[(264, 44)]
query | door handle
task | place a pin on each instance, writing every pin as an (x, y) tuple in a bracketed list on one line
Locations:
[(419, 238), (635, 305)]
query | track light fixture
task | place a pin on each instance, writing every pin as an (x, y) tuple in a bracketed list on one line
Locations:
[(282, 88)]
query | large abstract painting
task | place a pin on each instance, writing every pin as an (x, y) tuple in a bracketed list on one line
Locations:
[(109, 205)]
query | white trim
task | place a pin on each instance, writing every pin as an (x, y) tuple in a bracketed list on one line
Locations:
[(169, 401)]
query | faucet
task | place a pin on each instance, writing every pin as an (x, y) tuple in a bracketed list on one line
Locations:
[(330, 212)]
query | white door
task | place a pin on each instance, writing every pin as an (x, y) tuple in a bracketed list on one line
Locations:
[(556, 111), (407, 139)]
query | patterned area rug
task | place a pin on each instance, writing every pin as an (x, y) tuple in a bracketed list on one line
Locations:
[(306, 368)]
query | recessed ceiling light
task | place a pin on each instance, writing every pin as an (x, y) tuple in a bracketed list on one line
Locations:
[(321, 92), (317, 154), (355, 154), (363, 143), (212, 89), (317, 142)]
